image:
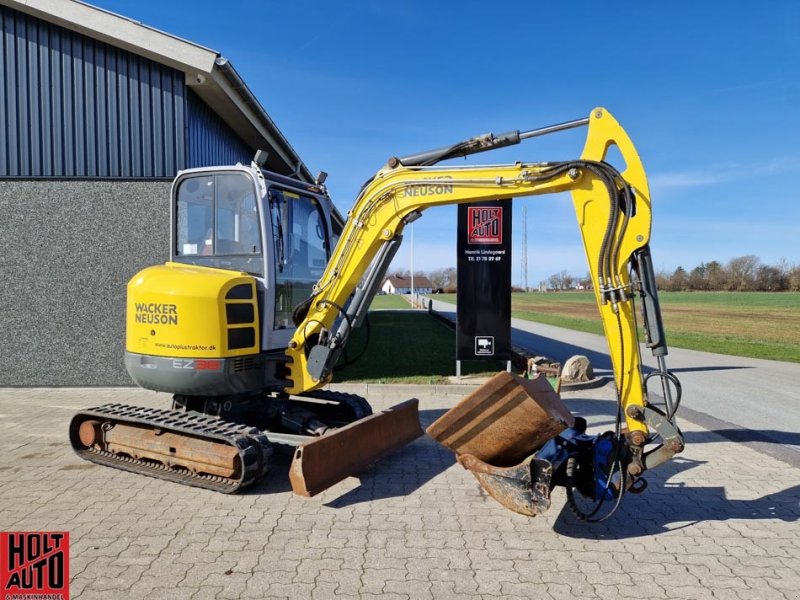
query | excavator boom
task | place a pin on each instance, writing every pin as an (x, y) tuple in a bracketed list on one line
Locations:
[(613, 210), (613, 232)]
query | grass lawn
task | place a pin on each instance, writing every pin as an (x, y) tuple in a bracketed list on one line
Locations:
[(755, 324), (407, 347), (389, 301)]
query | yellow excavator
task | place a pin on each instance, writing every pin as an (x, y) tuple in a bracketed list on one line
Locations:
[(266, 281)]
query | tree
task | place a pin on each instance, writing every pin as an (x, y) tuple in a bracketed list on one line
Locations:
[(662, 280), (716, 276), (742, 271), (444, 279), (561, 280), (770, 279), (794, 278), (678, 280), (698, 278)]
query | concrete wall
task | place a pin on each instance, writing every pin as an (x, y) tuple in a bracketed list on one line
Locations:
[(68, 250)]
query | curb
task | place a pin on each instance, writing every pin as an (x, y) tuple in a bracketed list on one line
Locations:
[(584, 385), (443, 389), (364, 389)]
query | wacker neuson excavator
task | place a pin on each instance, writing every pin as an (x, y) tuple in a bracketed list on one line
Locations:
[(266, 281)]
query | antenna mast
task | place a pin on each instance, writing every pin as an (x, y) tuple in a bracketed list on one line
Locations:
[(525, 248)]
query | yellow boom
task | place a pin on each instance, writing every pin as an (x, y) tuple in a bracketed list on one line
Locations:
[(612, 230)]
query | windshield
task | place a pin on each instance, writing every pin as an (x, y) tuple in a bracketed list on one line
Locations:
[(300, 235), (217, 222)]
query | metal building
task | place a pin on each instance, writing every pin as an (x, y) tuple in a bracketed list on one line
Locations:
[(97, 114)]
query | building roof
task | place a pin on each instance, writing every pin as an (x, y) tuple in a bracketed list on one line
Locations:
[(420, 281), (209, 74)]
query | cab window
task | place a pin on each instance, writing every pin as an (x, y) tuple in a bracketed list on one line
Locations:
[(217, 222)]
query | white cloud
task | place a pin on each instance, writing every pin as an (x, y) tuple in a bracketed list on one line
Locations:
[(683, 179), (718, 174), (746, 86)]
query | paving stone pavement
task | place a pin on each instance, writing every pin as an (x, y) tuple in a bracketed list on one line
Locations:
[(720, 521)]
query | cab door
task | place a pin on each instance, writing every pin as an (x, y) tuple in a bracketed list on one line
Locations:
[(300, 240)]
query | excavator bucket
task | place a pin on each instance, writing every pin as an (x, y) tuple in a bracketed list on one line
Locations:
[(523, 488), (327, 460), (495, 432)]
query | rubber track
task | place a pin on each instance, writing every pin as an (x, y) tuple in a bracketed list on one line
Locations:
[(357, 404), (255, 450)]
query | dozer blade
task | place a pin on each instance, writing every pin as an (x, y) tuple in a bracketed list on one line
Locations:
[(524, 488), (327, 460), (496, 430)]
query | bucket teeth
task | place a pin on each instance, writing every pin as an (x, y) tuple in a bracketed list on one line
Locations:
[(523, 488)]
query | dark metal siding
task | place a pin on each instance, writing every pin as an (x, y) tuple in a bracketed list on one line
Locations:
[(209, 140), (71, 106)]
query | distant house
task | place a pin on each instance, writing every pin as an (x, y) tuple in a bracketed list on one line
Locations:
[(402, 285)]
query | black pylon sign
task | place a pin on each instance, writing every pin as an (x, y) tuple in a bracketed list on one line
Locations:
[(483, 315)]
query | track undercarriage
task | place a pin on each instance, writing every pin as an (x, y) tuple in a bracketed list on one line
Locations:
[(226, 444)]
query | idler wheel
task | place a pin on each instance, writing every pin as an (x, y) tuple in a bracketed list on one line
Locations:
[(90, 433)]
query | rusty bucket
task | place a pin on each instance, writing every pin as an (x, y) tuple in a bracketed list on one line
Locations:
[(495, 432)]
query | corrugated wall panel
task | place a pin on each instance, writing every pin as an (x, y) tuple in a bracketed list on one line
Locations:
[(71, 106), (209, 140)]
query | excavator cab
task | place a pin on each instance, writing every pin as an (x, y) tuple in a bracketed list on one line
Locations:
[(212, 326), (247, 248), (276, 229)]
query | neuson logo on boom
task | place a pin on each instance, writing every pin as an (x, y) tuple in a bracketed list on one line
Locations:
[(437, 186), (484, 225), (34, 564)]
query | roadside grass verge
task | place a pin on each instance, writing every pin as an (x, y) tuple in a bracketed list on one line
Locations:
[(753, 324), (389, 301), (406, 347)]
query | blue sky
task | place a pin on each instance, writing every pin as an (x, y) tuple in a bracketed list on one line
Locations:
[(708, 91)]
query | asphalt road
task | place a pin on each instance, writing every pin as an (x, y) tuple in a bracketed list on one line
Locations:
[(745, 399)]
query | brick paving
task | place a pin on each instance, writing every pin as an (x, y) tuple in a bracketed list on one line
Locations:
[(721, 521)]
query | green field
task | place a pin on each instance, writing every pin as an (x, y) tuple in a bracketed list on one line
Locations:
[(407, 347), (755, 324), (389, 301)]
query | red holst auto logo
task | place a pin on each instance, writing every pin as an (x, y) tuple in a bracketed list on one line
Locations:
[(484, 225), (34, 565)]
